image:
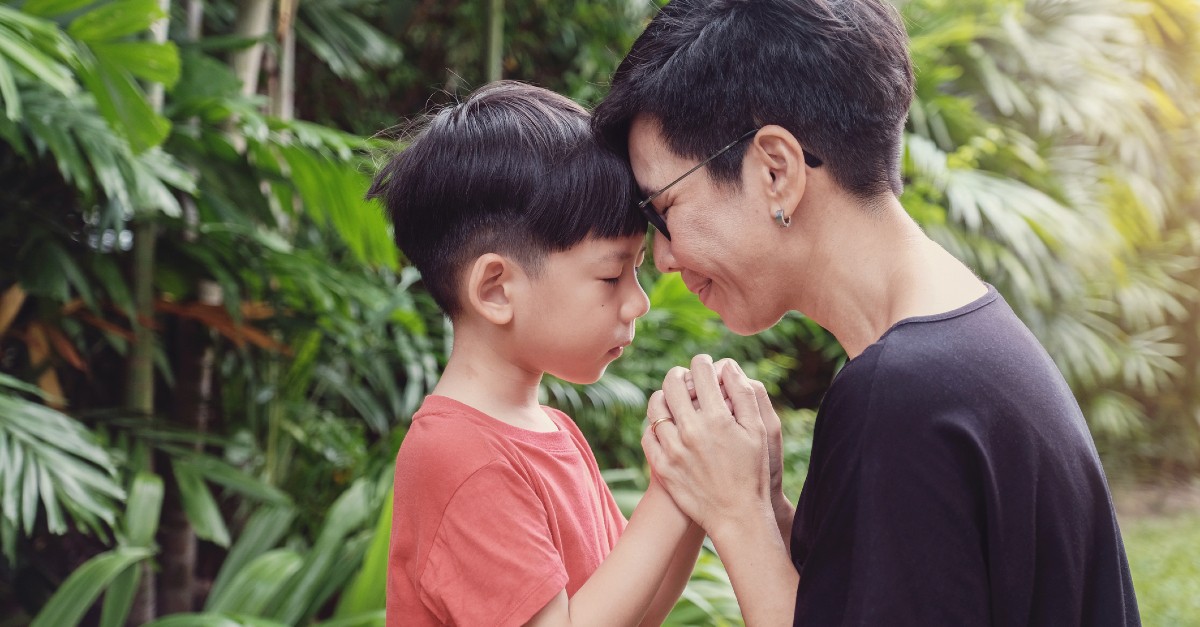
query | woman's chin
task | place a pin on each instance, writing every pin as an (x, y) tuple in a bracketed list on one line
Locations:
[(745, 325)]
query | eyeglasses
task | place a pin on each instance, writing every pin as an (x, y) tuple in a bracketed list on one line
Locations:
[(656, 220)]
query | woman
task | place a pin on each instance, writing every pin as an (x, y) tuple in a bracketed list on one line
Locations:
[(952, 480)]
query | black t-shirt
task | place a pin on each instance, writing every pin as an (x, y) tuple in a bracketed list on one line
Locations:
[(953, 481)]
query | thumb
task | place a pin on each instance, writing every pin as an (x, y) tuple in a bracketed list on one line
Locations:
[(652, 448)]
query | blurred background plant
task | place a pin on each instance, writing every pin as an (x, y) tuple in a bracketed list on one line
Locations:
[(210, 350)]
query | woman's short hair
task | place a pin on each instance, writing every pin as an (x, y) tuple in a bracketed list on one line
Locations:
[(835, 73)]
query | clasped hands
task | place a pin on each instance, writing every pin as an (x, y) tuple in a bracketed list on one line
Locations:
[(716, 443)]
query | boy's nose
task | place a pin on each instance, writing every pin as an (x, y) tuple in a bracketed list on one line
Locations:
[(664, 260), (636, 305)]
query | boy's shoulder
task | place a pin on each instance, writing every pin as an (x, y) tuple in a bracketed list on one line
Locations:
[(448, 441), (444, 435)]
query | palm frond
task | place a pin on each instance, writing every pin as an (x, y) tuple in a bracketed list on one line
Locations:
[(49, 458)]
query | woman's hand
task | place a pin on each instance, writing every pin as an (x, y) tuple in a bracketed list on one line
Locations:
[(774, 433), (714, 463)]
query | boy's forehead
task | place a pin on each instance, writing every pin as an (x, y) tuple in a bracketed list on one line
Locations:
[(601, 250)]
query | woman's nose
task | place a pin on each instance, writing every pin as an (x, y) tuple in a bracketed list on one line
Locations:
[(664, 260)]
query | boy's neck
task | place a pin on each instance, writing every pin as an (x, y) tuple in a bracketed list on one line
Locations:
[(480, 375)]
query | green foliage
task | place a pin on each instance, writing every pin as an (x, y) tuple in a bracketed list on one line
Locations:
[(708, 598), (50, 463), (116, 571), (367, 592), (76, 595), (141, 521), (1165, 563)]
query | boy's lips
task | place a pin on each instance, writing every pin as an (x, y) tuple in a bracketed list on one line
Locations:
[(620, 348)]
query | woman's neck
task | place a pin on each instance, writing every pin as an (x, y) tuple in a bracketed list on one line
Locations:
[(874, 268)]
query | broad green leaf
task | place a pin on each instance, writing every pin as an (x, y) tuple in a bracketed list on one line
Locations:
[(117, 19), (261, 533), (333, 193), (347, 513), (258, 583), (118, 601), (157, 63), (50, 71), (143, 512), (220, 472), (73, 598), (213, 620), (9, 94), (121, 101), (11, 465), (54, 8), (374, 618), (14, 383), (368, 590), (348, 560), (55, 521), (199, 505), (29, 493)]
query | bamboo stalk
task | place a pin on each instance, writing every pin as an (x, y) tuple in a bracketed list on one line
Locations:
[(494, 59), (140, 392)]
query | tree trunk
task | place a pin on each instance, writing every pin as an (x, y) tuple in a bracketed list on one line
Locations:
[(193, 396), (193, 390), (281, 80), (253, 22), (494, 59)]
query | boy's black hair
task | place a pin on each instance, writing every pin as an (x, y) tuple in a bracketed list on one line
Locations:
[(835, 73), (514, 169)]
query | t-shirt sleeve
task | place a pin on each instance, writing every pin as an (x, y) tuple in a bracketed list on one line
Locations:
[(493, 561)]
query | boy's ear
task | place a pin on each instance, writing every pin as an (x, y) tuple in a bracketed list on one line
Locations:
[(490, 287), (778, 161)]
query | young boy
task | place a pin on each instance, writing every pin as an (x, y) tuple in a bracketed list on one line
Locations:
[(525, 233)]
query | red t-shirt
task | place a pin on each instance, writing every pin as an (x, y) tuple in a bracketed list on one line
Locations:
[(490, 521)]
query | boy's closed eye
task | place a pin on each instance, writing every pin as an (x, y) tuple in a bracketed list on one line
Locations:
[(617, 279), (633, 269)]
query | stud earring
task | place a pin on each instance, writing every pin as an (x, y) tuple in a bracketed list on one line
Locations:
[(782, 220)]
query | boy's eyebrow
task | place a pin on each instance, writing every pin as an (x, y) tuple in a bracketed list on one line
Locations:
[(622, 255)]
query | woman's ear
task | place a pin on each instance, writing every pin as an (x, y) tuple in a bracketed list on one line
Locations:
[(777, 160), (491, 286)]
